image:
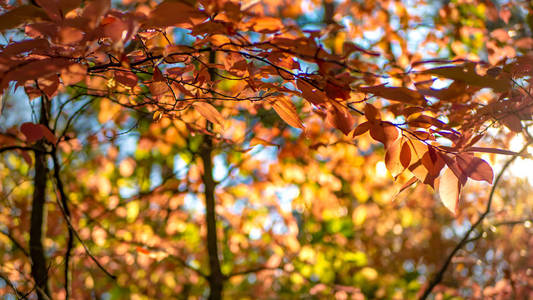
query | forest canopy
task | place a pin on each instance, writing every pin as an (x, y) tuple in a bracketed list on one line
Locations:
[(220, 149)]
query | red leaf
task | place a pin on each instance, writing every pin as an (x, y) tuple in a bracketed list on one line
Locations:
[(33, 132), (475, 167)]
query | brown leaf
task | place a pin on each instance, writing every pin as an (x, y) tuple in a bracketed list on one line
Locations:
[(512, 121), (452, 164), (21, 14), (126, 78), (467, 74), (409, 183)]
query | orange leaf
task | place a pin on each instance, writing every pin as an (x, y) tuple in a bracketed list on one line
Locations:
[(392, 158), (341, 119), (209, 112), (287, 112), (310, 93), (371, 112), (400, 94), (170, 13), (267, 24), (449, 190), (142, 250), (384, 132)]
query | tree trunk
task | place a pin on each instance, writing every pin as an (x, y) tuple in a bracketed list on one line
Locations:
[(216, 278), (39, 270)]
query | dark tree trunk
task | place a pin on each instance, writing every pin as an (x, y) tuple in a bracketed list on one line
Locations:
[(39, 269), (216, 278)]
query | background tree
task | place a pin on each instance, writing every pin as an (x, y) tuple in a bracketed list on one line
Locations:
[(186, 149)]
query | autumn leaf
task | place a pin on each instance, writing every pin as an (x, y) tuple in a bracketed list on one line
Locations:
[(449, 190), (209, 112), (126, 78), (35, 132), (169, 13), (287, 111), (371, 112), (20, 15), (384, 132), (467, 74), (400, 94), (341, 119), (361, 129), (392, 158), (475, 167), (311, 93)]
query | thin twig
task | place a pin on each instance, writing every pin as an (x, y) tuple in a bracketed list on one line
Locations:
[(440, 274)]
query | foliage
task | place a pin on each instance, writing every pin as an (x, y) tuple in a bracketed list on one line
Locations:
[(277, 149)]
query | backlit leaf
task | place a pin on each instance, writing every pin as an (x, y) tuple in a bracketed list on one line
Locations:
[(209, 112), (286, 110), (449, 190)]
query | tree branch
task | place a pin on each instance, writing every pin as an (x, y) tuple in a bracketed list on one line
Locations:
[(64, 203), (437, 278)]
